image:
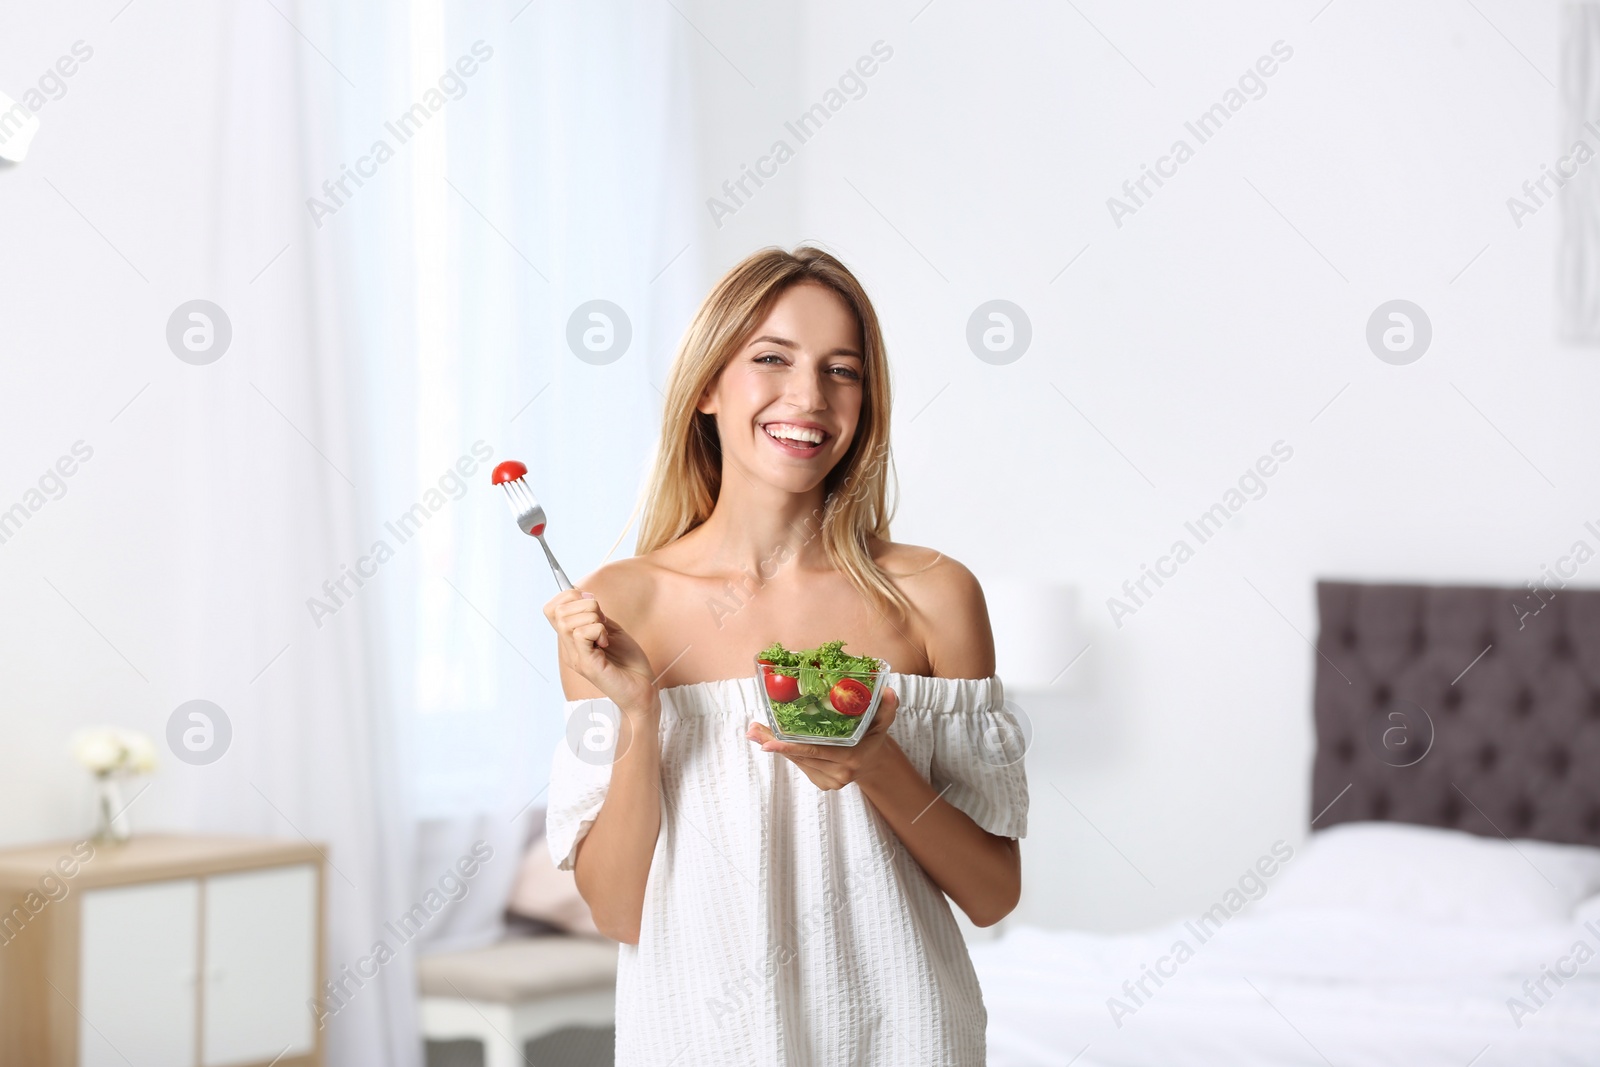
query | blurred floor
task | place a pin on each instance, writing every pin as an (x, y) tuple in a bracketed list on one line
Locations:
[(572, 1046)]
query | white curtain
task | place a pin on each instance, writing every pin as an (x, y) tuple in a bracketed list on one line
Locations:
[(281, 489), (556, 173), (415, 329)]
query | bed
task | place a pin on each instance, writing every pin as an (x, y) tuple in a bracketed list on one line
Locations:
[(1444, 911)]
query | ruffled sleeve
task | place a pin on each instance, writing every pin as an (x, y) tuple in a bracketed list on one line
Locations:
[(979, 740), (580, 775)]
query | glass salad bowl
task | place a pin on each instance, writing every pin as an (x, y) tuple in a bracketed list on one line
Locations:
[(819, 696)]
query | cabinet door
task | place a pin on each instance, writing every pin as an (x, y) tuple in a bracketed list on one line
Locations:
[(137, 958), (260, 965)]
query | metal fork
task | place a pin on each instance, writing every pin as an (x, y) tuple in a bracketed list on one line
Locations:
[(529, 513)]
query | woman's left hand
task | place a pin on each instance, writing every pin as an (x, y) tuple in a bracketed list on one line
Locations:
[(836, 766)]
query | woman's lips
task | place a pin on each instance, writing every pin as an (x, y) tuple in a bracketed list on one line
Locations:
[(797, 449)]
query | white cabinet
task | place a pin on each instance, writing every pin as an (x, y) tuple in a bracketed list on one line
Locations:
[(137, 975), (165, 952), (260, 965)]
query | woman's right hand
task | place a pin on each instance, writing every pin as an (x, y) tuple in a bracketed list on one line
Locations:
[(602, 652)]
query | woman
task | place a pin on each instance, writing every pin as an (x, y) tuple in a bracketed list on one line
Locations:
[(783, 903)]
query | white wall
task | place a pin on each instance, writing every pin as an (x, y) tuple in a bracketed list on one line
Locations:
[(1194, 337)]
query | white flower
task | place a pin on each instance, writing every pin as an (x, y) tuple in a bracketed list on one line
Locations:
[(99, 750), (140, 753), (109, 749)]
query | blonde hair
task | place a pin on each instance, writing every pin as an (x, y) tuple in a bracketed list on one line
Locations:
[(687, 473)]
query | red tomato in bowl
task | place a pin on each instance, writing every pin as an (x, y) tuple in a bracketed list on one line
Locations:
[(849, 697), (781, 687)]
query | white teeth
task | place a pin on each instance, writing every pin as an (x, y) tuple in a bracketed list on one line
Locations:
[(784, 432)]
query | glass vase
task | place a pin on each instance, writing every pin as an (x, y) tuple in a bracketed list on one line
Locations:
[(111, 814)]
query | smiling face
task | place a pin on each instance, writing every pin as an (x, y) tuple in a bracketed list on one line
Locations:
[(787, 404)]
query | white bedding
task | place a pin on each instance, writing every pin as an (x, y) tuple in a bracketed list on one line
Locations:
[(1293, 986)]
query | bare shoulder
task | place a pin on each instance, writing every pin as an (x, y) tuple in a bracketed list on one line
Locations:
[(926, 574), (950, 610), (625, 588)]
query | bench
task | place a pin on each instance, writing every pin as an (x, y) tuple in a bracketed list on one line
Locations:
[(508, 993)]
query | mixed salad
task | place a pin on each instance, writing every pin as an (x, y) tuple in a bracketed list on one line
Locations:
[(819, 692)]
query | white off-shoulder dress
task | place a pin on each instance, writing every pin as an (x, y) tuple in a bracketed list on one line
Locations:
[(785, 925)]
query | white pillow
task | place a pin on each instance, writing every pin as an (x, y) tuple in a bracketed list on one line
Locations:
[(1436, 875), (542, 892)]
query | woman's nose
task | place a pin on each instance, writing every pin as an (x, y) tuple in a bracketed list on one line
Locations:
[(805, 390)]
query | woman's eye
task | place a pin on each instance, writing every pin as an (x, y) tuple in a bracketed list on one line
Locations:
[(849, 373), (769, 355)]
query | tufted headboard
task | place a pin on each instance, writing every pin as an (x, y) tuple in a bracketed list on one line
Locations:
[(1417, 723)]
